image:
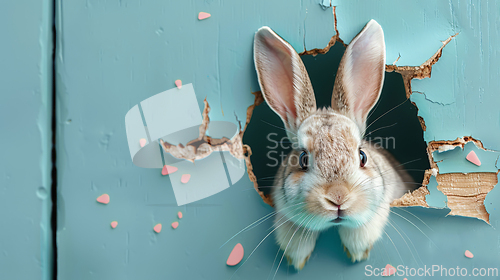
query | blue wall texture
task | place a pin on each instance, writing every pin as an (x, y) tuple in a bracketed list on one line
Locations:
[(111, 55), (25, 120)]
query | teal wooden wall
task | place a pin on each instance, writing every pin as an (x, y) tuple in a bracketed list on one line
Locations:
[(111, 55), (25, 120)]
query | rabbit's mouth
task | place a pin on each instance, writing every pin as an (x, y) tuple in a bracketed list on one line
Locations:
[(338, 220)]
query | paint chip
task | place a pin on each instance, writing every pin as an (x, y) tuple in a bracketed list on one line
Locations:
[(472, 157), (114, 224), (142, 142), (104, 199), (167, 169), (175, 225), (468, 254), (157, 228), (178, 84), (185, 178), (236, 255), (203, 15), (179, 214), (389, 270)]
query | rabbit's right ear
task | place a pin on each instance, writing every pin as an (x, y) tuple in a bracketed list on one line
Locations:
[(283, 79)]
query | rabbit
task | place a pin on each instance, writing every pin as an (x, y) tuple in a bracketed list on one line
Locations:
[(333, 177)]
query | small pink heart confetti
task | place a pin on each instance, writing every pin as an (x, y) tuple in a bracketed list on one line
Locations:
[(167, 169), (388, 270), (114, 224), (468, 254), (157, 228), (236, 255), (178, 84), (472, 157), (185, 178), (203, 15), (175, 225), (142, 142), (104, 199), (179, 214)]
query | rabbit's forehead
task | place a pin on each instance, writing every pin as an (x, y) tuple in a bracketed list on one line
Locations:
[(328, 125), (333, 139)]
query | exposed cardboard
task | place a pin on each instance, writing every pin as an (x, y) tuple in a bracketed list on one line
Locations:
[(204, 145), (466, 192)]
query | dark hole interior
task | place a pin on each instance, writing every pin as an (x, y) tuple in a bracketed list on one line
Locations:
[(399, 130)]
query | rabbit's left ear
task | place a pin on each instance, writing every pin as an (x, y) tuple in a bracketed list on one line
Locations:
[(361, 74), (283, 79)]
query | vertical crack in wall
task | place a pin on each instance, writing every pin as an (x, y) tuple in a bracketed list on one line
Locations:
[(335, 38), (53, 191)]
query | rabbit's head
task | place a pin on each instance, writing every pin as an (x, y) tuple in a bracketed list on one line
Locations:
[(330, 176)]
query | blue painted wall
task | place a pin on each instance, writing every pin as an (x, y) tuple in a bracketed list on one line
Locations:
[(114, 54), (25, 120), (111, 55)]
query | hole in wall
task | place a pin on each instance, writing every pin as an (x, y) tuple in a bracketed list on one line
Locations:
[(395, 123)]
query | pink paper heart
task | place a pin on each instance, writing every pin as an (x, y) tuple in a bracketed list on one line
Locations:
[(236, 255), (179, 214), (472, 157), (157, 228), (468, 254), (167, 169), (178, 84), (114, 224), (104, 199), (185, 178), (203, 15), (389, 270), (175, 225), (142, 142)]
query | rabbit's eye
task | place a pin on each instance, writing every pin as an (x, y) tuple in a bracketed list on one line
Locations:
[(362, 158), (304, 160)]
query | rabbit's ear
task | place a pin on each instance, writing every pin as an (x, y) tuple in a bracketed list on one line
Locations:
[(361, 75), (283, 78)]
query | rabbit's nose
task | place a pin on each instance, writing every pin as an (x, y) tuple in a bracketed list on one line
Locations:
[(333, 202), (336, 195)]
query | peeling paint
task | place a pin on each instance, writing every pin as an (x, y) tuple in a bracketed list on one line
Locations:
[(436, 198), (432, 101), (204, 145), (465, 192), (248, 151), (325, 4), (418, 72), (416, 197), (454, 160), (335, 38)]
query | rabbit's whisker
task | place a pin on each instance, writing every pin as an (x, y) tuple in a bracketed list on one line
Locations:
[(259, 221), (384, 114), (291, 238), (278, 127), (415, 217), (387, 126), (275, 228)]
